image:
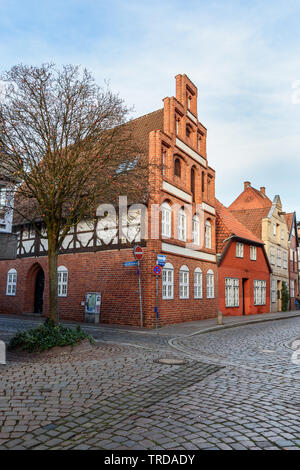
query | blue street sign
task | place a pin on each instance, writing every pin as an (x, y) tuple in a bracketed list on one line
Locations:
[(130, 263), (161, 260)]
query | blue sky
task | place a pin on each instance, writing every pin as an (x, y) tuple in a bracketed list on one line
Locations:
[(244, 56)]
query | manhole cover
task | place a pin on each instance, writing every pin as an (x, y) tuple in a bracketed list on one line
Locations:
[(171, 362)]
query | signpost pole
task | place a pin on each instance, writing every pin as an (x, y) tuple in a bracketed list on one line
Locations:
[(140, 295), (156, 304)]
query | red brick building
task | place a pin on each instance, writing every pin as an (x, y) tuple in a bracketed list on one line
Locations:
[(244, 270), (293, 257), (183, 187)]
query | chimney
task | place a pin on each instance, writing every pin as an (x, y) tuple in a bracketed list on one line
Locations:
[(247, 184), (263, 190)]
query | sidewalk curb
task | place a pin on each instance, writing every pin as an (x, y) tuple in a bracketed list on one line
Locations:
[(232, 325)]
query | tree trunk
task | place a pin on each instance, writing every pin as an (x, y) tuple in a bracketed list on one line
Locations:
[(53, 285)]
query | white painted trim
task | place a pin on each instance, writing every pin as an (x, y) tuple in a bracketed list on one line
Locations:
[(176, 192), (191, 116), (190, 152), (208, 208), (178, 250)]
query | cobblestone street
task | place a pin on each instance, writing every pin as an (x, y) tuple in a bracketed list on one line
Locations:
[(238, 389)]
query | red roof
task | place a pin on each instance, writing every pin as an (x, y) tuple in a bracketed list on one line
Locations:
[(251, 198), (251, 218), (227, 225)]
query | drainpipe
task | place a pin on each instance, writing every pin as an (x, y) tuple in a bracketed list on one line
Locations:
[(220, 315)]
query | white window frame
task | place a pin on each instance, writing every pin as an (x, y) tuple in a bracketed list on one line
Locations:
[(198, 284), (210, 284), (181, 225), (272, 255), (260, 292), (232, 292), (240, 250), (273, 291), (196, 230), (166, 220), (253, 253), (184, 287), (292, 288), (3, 191), (285, 260), (208, 232), (168, 282), (279, 258), (11, 282), (62, 281)]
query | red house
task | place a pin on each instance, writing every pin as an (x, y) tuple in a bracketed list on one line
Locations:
[(244, 269)]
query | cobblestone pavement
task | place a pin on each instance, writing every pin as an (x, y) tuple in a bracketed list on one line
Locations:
[(232, 393)]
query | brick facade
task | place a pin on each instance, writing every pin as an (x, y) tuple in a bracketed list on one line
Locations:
[(176, 143)]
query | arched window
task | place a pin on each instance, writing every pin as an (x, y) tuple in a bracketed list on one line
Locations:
[(62, 277), (166, 220), (184, 282), (198, 291), (11, 285), (198, 142), (181, 225), (210, 284), (208, 234), (168, 282), (188, 131), (177, 167), (193, 183), (196, 230)]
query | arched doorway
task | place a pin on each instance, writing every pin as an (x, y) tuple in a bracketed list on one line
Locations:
[(39, 291)]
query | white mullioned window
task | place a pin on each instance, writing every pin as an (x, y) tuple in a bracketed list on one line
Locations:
[(184, 282), (279, 263), (285, 260), (62, 280), (240, 250), (168, 282), (11, 285), (2, 196), (198, 284), (232, 292), (272, 255), (166, 219), (208, 234), (210, 284), (181, 225), (196, 230), (260, 292), (292, 288), (253, 253), (273, 291)]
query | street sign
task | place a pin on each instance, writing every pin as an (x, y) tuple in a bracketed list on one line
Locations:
[(138, 252), (127, 264), (157, 270), (161, 260)]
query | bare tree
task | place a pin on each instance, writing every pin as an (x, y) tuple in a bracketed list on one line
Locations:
[(67, 141)]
